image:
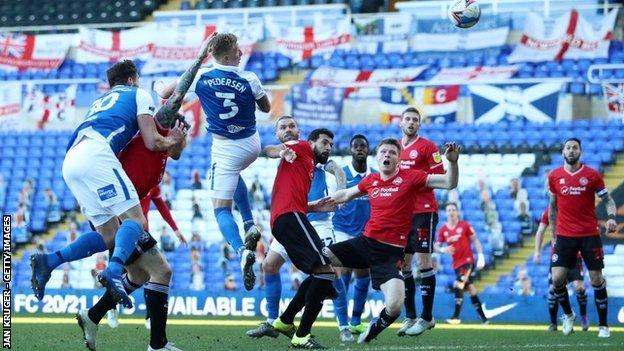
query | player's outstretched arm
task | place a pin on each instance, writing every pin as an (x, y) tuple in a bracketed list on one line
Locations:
[(539, 238), (450, 179), (156, 142), (346, 195), (341, 179)]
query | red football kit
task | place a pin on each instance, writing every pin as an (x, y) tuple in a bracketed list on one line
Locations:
[(392, 204), (575, 194), (293, 181), (544, 220), (145, 168), (423, 155), (458, 237)]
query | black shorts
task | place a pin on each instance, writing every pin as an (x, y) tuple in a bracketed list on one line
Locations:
[(576, 273), (384, 260), (299, 238), (567, 248), (422, 235), (461, 271)]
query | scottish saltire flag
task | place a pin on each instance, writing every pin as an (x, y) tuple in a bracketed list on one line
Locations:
[(614, 97), (535, 102)]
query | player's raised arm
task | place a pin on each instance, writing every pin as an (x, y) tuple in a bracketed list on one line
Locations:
[(448, 180), (341, 179), (156, 142)]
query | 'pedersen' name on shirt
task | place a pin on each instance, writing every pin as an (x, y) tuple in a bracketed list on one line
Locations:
[(293, 181), (423, 155), (575, 194), (392, 204), (459, 238)]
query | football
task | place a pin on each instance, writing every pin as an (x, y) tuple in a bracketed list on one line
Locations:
[(464, 13)]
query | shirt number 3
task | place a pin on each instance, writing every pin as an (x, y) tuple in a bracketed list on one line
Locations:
[(228, 102)]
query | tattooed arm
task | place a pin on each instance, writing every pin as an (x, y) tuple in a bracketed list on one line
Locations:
[(168, 113)]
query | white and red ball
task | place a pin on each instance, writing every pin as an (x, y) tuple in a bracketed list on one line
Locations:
[(464, 13)]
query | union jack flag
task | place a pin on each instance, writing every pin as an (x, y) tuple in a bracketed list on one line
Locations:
[(614, 94), (12, 45)]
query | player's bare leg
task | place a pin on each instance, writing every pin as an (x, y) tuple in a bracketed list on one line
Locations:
[(229, 229), (560, 291), (273, 290), (427, 290), (599, 284), (410, 295), (394, 295)]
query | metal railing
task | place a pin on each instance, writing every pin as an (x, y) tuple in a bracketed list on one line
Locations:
[(599, 68)]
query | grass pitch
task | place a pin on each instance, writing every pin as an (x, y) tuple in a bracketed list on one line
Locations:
[(50, 333)]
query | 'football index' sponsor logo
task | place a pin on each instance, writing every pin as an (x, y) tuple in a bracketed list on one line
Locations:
[(383, 192), (572, 190)]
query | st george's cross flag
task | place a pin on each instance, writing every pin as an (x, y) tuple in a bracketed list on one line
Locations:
[(28, 51), (614, 97)]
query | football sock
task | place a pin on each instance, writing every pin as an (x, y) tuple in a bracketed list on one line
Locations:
[(459, 298), (84, 246), (297, 303), (410, 295), (320, 287), (346, 279), (126, 239), (581, 298), (229, 229), (360, 290), (380, 323), (553, 306), (602, 302), (106, 303), (561, 293), (478, 307), (427, 292), (340, 303), (241, 200), (273, 292), (156, 296)]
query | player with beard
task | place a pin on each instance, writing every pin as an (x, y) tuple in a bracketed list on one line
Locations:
[(573, 215), (291, 228), (392, 193), (421, 154)]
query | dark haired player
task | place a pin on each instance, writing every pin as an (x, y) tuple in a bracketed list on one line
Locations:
[(572, 212), (421, 154), (291, 228), (458, 235), (381, 248)]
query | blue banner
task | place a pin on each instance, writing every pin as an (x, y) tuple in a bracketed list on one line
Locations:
[(508, 308), (317, 106), (535, 102)]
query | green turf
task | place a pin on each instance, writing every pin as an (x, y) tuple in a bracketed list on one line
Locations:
[(50, 337)]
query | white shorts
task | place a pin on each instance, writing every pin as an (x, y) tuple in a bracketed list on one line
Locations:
[(323, 228), (96, 178), (340, 236), (229, 158)]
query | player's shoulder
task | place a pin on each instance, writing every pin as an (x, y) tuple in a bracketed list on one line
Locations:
[(556, 172), (248, 75), (591, 171), (426, 142)]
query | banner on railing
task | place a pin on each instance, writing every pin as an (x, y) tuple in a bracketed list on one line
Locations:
[(535, 102), (437, 104), (441, 35), (571, 37), (474, 73), (95, 45), (10, 105), (614, 98), (56, 110), (317, 106), (177, 47), (301, 43), (28, 51), (383, 33), (329, 75)]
